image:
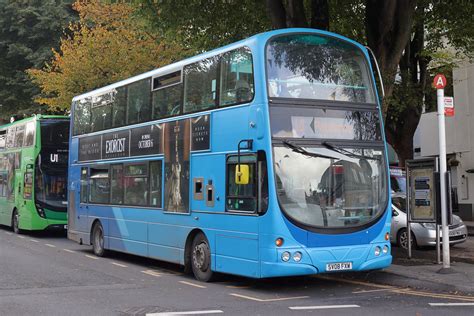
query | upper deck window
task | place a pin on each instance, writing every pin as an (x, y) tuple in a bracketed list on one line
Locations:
[(308, 66)]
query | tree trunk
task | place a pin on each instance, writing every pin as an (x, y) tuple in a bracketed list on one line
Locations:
[(277, 13), (320, 14), (388, 30)]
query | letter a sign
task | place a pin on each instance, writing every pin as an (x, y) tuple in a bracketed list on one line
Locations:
[(439, 81)]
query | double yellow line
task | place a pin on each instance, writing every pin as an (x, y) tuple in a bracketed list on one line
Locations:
[(400, 290)]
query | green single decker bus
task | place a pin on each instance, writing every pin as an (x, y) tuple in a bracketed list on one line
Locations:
[(33, 173)]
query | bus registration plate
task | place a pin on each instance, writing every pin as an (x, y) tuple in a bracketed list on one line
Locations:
[(339, 266)]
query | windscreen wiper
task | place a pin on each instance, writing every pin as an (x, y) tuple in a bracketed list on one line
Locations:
[(345, 152), (301, 150)]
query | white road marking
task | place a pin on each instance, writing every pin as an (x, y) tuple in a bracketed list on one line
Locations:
[(298, 308), (92, 257), (268, 299), (8, 233), (216, 311), (49, 245), (151, 272), (22, 237), (193, 284), (70, 251), (451, 304), (34, 240), (118, 264)]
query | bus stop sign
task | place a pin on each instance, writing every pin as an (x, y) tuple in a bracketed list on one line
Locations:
[(439, 81)]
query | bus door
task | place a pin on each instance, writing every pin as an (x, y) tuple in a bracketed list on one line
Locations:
[(78, 214)]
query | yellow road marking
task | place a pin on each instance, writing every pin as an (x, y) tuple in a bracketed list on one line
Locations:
[(151, 272), (404, 291), (370, 291), (256, 299), (70, 251), (92, 257), (118, 264), (193, 284), (49, 245)]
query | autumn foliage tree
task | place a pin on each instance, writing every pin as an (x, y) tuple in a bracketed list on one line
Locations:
[(106, 45)]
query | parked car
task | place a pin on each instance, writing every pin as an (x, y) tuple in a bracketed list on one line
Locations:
[(424, 234)]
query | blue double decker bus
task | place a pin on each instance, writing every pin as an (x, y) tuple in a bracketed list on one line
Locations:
[(263, 158)]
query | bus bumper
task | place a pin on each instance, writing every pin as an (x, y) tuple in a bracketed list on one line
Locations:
[(273, 269)]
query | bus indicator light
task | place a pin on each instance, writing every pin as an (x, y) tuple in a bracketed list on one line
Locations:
[(387, 236), (279, 242)]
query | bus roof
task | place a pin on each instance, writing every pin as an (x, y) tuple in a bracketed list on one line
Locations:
[(261, 37), (34, 117)]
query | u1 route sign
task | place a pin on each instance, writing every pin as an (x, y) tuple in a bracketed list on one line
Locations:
[(439, 81)]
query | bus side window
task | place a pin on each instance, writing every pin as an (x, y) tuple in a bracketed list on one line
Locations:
[(119, 107), (116, 185), (82, 116), (99, 185), (84, 192), (136, 184), (139, 101), (236, 77), (156, 179), (241, 197), (167, 101), (200, 85)]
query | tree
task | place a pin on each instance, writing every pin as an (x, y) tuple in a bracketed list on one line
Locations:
[(405, 35), (107, 45), (28, 30)]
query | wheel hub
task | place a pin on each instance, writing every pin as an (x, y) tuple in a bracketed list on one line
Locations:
[(199, 257)]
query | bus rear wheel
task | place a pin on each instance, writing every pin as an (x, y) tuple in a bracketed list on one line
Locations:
[(16, 222), (201, 258), (98, 240)]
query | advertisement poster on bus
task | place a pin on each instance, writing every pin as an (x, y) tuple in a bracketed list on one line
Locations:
[(177, 152)]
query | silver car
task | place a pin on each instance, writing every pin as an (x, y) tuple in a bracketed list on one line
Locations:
[(423, 234)]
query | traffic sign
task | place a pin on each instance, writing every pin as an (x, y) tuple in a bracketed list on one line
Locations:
[(449, 106), (439, 81)]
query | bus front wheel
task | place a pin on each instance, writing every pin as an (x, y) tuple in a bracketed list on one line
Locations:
[(98, 240), (16, 222), (201, 258)]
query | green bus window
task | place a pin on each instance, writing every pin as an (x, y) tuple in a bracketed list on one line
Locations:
[(138, 101), (30, 134), (155, 183), (99, 185), (237, 85), (119, 108), (19, 135), (116, 184), (82, 116), (136, 185), (11, 137), (1, 185), (3, 139), (200, 85), (28, 185), (241, 197), (167, 101), (84, 185)]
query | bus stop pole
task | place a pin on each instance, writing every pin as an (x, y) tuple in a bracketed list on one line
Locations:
[(442, 172)]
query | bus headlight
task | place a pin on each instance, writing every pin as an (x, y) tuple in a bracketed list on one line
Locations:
[(297, 256), (285, 256), (385, 249), (377, 251), (40, 211)]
